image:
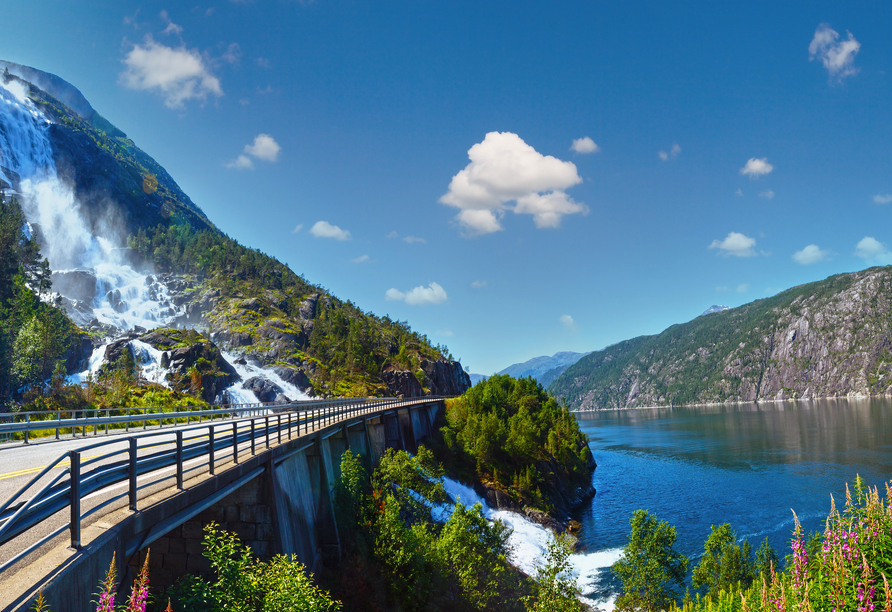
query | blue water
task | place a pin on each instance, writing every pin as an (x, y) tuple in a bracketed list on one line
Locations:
[(747, 465)]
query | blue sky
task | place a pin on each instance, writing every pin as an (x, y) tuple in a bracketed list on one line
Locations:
[(723, 151)]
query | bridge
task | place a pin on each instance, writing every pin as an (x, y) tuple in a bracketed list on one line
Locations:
[(153, 479)]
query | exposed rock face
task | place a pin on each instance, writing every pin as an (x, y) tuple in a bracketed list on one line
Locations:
[(445, 377), (402, 383), (827, 339), (186, 349), (296, 377), (77, 357)]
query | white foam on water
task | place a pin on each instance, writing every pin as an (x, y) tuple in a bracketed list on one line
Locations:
[(239, 395), (123, 298), (529, 542), (97, 358), (148, 358)]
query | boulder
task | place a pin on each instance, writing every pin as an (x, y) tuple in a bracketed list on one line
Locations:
[(264, 390), (79, 285), (296, 377)]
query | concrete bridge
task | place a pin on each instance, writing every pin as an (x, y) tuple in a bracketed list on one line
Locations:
[(267, 476)]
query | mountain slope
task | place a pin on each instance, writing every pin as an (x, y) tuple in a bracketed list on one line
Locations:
[(823, 339), (539, 366), (131, 252)]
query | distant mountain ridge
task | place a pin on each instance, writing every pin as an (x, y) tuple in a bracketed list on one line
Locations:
[(715, 308), (544, 369), (829, 338)]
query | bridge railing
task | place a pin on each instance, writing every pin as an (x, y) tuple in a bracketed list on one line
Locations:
[(109, 420), (143, 461)]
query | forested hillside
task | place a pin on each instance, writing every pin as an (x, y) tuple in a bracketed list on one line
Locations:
[(824, 339)]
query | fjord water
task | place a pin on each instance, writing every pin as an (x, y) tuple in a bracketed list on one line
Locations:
[(747, 465)]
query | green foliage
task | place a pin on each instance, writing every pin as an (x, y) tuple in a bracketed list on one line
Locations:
[(555, 588), (766, 560), (724, 562), (396, 557), (244, 584), (350, 348), (650, 569), (507, 432)]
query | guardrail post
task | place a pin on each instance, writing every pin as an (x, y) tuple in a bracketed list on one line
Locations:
[(267, 432), (107, 417), (211, 449), (28, 424), (180, 460), (235, 442), (289, 425), (252, 436), (58, 419), (279, 428), (132, 474), (75, 489)]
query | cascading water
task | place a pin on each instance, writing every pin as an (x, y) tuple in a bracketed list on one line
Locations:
[(86, 261), (529, 542)]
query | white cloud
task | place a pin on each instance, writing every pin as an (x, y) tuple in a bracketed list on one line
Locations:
[(419, 296), (735, 244), (242, 162), (873, 250), (566, 320), (883, 199), (324, 229), (743, 288), (739, 192), (503, 169), (478, 284), (171, 28), (767, 194), (232, 54), (360, 259), (756, 167), (837, 56), (297, 228), (674, 152), (177, 74), (584, 145), (264, 147), (414, 239), (392, 234), (810, 254)]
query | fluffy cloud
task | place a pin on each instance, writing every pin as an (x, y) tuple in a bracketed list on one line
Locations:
[(767, 194), (756, 167), (735, 244), (264, 147), (837, 56), (505, 169), (810, 254), (674, 152), (478, 284), (566, 320), (324, 229), (360, 259), (882, 199), (171, 28), (584, 145), (414, 239), (177, 74), (873, 250), (419, 296)]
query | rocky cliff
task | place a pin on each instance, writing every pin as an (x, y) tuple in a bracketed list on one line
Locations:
[(825, 339)]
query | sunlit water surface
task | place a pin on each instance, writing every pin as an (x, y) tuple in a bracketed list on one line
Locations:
[(747, 465)]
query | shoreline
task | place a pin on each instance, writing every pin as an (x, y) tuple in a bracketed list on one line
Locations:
[(740, 402)]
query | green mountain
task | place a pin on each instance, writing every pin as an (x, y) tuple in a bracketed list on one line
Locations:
[(170, 268), (825, 339)]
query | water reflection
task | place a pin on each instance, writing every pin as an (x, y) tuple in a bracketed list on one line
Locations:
[(745, 464)]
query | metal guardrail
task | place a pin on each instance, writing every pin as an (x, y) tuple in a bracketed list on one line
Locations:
[(213, 442), (102, 418)]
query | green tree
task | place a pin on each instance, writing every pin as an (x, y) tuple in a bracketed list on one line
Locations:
[(651, 570), (555, 588), (724, 562), (766, 560)]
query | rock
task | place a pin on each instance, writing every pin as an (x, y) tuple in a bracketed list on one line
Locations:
[(77, 356), (402, 383), (115, 350), (307, 309), (445, 377), (296, 377), (78, 285), (263, 389)]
